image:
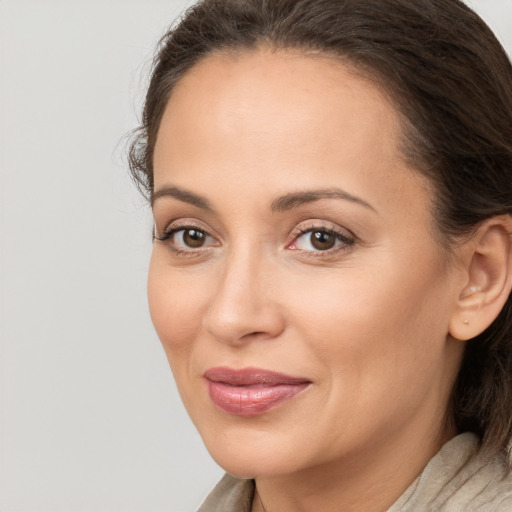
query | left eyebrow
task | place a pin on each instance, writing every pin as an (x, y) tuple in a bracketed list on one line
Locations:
[(181, 195), (295, 199)]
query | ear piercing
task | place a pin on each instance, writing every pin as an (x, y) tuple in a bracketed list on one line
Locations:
[(472, 289)]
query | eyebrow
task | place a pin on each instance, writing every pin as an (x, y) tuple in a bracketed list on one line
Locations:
[(295, 199), (281, 204), (182, 195)]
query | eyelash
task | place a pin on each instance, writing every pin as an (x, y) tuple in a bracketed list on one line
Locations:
[(168, 234), (346, 240)]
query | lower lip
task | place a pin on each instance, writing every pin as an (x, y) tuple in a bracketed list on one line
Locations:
[(251, 400)]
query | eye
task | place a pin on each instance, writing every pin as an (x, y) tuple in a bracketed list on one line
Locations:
[(190, 237), (184, 238), (320, 239)]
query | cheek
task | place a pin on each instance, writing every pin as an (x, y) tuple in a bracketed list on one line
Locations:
[(175, 307), (377, 341), (382, 316)]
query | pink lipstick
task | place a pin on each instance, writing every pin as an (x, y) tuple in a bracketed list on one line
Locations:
[(251, 391)]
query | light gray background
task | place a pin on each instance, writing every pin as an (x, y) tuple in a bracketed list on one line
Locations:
[(90, 418)]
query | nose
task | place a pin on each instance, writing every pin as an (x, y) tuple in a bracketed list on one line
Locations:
[(244, 302)]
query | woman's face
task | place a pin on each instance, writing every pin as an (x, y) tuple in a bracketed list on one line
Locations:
[(296, 282)]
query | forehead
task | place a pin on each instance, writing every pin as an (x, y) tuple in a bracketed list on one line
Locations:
[(280, 116), (269, 92)]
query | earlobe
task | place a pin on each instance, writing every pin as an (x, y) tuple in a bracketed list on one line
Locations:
[(489, 278)]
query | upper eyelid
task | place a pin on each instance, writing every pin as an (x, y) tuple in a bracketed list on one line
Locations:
[(322, 225), (171, 230), (299, 229), (334, 232), (184, 224)]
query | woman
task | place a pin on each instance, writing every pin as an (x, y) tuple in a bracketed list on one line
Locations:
[(331, 183)]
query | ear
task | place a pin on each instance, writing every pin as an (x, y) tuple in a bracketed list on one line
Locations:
[(488, 268)]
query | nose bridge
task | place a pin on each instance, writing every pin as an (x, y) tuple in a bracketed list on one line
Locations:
[(242, 304)]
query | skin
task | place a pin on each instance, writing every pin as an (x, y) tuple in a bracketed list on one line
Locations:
[(367, 322)]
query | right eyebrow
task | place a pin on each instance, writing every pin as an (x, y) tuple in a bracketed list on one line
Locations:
[(295, 199), (181, 195)]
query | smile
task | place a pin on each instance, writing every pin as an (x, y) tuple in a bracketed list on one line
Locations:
[(251, 391)]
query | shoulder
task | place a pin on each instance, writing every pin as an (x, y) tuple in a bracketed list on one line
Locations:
[(459, 478), (230, 495)]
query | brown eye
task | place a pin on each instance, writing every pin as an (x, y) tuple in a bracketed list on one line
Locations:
[(187, 239), (317, 240), (193, 238), (322, 241)]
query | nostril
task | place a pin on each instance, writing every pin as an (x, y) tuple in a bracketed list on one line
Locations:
[(255, 334), (239, 327)]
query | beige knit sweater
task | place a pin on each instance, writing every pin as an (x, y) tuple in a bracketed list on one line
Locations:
[(455, 480)]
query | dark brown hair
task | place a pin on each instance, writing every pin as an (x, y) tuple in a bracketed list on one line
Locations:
[(452, 83)]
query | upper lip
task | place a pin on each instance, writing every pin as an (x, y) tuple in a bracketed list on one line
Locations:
[(251, 377)]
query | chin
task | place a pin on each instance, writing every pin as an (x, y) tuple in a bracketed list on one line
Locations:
[(244, 464), (253, 454)]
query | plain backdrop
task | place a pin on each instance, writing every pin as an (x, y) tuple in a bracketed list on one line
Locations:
[(90, 417)]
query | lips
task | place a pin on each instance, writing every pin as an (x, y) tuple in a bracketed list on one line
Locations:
[(251, 391)]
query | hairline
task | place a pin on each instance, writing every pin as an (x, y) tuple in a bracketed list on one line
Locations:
[(408, 135)]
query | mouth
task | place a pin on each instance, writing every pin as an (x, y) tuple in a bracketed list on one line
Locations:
[(251, 391)]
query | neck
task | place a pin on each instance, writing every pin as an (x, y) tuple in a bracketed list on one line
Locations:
[(371, 481)]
